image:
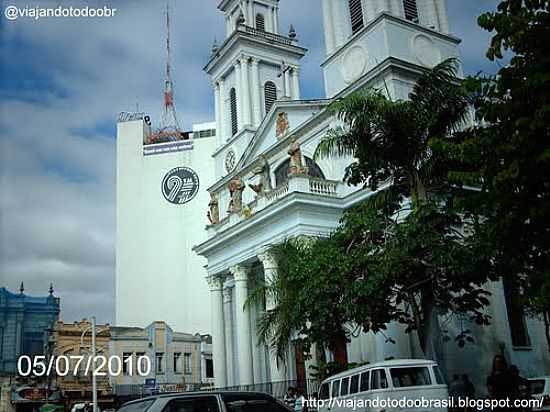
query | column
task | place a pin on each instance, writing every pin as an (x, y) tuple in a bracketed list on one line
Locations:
[(245, 90), (278, 371), (218, 333), (227, 312), (295, 83), (257, 358), (242, 323), (329, 28), (441, 10), (286, 81), (256, 92), (380, 6), (250, 13), (339, 37), (223, 112), (228, 25), (369, 9), (276, 20), (238, 89), (217, 112)]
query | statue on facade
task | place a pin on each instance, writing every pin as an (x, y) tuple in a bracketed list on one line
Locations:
[(264, 174), (236, 188), (296, 162), (214, 210), (282, 125)]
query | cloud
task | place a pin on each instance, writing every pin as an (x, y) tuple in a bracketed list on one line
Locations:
[(62, 82)]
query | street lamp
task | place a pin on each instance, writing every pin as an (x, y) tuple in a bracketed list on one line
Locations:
[(93, 350)]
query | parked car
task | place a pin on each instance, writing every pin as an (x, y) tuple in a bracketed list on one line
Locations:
[(79, 407), (540, 389), (215, 401), (399, 379)]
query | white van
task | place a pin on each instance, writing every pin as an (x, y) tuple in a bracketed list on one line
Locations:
[(386, 386)]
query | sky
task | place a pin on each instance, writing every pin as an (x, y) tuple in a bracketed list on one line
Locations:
[(62, 83)]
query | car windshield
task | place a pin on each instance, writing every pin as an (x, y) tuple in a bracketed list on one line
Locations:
[(536, 386), (137, 407), (252, 403)]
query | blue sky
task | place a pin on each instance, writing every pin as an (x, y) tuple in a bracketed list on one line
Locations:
[(62, 83)]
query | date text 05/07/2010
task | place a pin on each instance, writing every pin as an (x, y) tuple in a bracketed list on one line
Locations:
[(83, 365)]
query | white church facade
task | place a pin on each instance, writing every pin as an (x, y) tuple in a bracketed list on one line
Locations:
[(256, 177), (268, 188)]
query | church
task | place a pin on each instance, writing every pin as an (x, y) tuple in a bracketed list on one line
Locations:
[(252, 182)]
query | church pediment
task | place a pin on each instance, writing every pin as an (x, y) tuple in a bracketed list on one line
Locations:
[(284, 118)]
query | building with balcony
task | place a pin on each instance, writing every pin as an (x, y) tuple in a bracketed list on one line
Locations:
[(156, 359), (25, 324), (268, 187), (73, 340)]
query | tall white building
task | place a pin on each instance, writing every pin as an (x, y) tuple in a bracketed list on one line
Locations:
[(260, 117), (161, 198)]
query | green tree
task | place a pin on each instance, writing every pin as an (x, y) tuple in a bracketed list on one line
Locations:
[(401, 256), (508, 154)]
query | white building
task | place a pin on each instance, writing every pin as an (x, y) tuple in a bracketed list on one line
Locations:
[(259, 114), (158, 277)]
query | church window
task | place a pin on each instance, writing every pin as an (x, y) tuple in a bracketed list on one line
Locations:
[(313, 170), (233, 107), (270, 92), (260, 22), (411, 10), (356, 15)]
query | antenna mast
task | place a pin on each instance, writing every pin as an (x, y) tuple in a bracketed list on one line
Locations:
[(169, 126)]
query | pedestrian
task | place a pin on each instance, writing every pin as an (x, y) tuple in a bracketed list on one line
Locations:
[(470, 390), (290, 397), (457, 390), (522, 386), (500, 383), (300, 404)]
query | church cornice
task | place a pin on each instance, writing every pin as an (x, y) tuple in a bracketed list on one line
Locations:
[(386, 16), (265, 39)]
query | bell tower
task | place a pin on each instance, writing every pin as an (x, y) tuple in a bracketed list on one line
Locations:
[(374, 37), (253, 67)]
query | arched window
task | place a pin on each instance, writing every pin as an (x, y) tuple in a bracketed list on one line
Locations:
[(270, 95), (260, 22), (281, 173), (233, 108), (356, 15), (411, 10)]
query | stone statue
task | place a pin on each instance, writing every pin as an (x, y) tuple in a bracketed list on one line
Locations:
[(214, 209), (282, 125), (263, 171), (296, 162), (236, 188)]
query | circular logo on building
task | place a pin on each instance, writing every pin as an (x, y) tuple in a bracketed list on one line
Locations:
[(180, 185), (230, 161)]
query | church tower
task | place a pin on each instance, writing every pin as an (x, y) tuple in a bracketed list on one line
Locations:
[(252, 68), (383, 43)]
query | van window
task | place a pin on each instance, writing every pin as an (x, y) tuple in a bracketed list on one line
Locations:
[(193, 404), (137, 407), (335, 388), (354, 386), (378, 380), (364, 381), (439, 378), (344, 387), (405, 377), (536, 386), (324, 392)]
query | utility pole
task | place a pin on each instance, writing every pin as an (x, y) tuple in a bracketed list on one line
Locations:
[(94, 378)]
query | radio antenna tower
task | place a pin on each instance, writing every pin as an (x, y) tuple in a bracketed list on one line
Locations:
[(169, 126)]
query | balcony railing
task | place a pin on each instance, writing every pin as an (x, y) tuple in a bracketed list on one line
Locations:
[(271, 37)]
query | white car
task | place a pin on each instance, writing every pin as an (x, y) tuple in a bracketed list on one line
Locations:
[(79, 407), (540, 389), (395, 380)]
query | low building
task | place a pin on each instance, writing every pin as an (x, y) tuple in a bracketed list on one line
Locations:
[(157, 359), (75, 339)]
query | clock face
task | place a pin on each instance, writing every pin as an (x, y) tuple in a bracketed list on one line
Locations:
[(230, 161), (180, 185)]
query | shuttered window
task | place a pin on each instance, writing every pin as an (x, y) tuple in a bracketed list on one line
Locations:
[(270, 91), (260, 22), (356, 15), (233, 107), (411, 10)]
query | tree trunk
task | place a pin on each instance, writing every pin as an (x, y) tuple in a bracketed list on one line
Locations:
[(431, 330), (546, 316), (340, 351)]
